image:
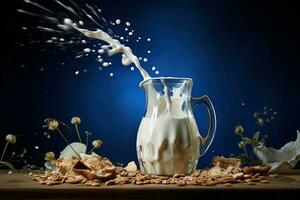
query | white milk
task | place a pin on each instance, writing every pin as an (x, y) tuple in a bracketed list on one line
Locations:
[(168, 146), (168, 140)]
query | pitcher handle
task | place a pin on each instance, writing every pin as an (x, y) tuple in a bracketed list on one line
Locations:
[(207, 140)]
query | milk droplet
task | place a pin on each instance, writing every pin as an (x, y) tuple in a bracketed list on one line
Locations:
[(109, 63), (101, 51), (140, 58), (145, 59), (36, 147), (87, 50), (126, 29), (148, 51), (98, 56), (81, 22), (126, 40), (111, 74), (83, 41), (139, 38), (77, 72), (48, 136), (100, 60), (67, 21), (84, 70), (62, 39), (53, 38), (24, 28), (153, 68), (105, 64), (127, 23), (121, 38), (130, 33), (156, 72), (132, 68), (93, 50), (118, 21), (148, 39)]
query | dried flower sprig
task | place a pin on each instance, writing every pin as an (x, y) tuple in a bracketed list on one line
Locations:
[(10, 139), (261, 117), (96, 145), (54, 125), (76, 121)]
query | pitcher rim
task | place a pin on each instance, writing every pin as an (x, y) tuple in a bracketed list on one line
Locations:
[(164, 78)]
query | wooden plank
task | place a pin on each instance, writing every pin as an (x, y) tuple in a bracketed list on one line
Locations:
[(19, 185)]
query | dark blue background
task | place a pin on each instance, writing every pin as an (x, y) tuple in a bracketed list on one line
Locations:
[(237, 51)]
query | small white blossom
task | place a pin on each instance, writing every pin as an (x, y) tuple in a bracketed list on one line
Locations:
[(75, 120), (88, 133), (260, 121), (239, 130), (97, 144), (11, 138), (49, 156), (241, 145), (53, 125)]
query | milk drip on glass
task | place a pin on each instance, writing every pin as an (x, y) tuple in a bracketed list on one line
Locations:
[(168, 139)]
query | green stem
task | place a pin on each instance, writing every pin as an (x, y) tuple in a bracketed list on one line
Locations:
[(86, 142), (78, 134), (244, 147), (68, 143), (4, 150), (91, 150)]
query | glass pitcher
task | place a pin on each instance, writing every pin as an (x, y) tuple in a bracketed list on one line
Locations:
[(168, 140)]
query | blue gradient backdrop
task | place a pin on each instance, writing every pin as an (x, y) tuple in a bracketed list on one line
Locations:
[(235, 52)]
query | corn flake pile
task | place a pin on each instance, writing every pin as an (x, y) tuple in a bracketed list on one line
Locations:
[(96, 171)]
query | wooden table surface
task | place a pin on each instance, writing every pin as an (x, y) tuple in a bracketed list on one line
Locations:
[(20, 186)]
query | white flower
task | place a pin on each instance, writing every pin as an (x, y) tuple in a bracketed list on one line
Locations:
[(241, 145), (239, 130), (97, 144), (49, 156), (53, 125), (11, 138), (260, 121), (75, 120), (88, 133)]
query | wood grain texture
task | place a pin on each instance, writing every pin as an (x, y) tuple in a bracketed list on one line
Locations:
[(21, 186)]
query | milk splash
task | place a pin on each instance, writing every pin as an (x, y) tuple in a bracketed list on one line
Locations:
[(85, 17), (114, 46)]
